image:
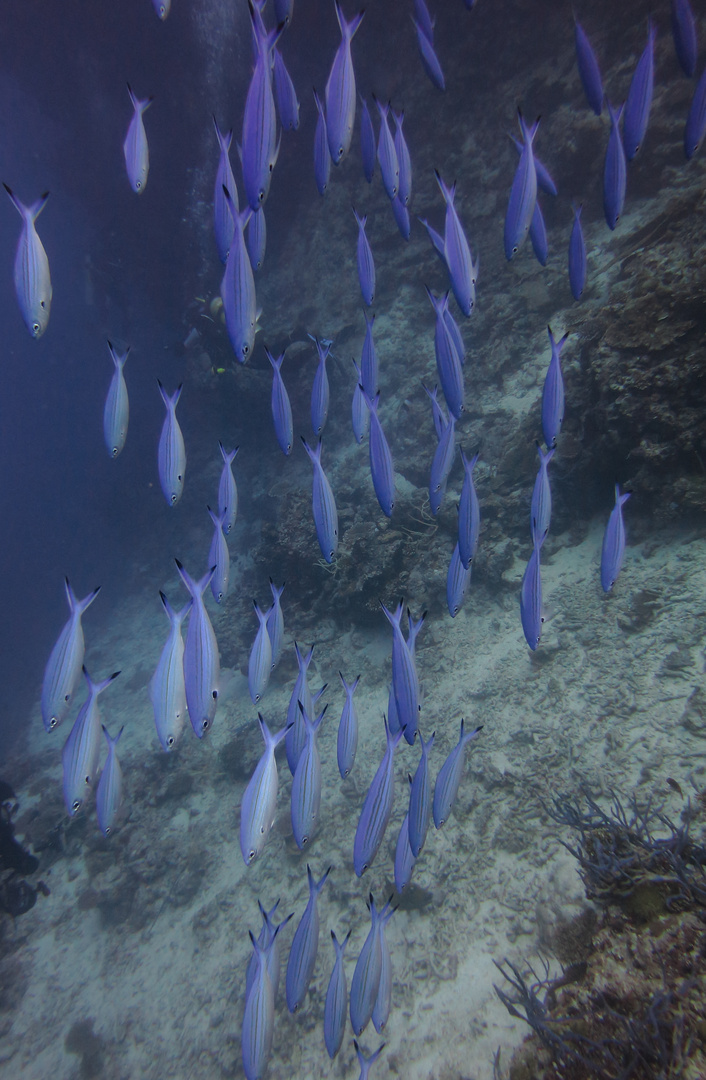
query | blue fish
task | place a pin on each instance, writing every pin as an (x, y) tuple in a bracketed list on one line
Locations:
[(227, 490), (116, 412), (545, 181), (614, 171), (684, 34), (135, 148), (405, 681), (541, 508), (109, 795), (260, 662), (31, 273), (458, 579), (401, 216), (369, 359), (463, 272), (285, 95), (256, 239), (275, 623), (306, 785), (436, 239), (258, 1018), (260, 148), (695, 121), (441, 465), (63, 670), (320, 390), (553, 393), (448, 362), (323, 506), (449, 778), (577, 256), (340, 90), (202, 665), (366, 264), (171, 454), (404, 859), (167, 690), (639, 100), (523, 194), (284, 10), (219, 556), (588, 70), (359, 410), (347, 742), (322, 158), (531, 598), (468, 513), (336, 1000), (162, 7), (281, 406), (302, 955), (613, 548), (381, 467), (238, 287), (368, 145), (387, 155), (366, 1060), (377, 808), (267, 939), (79, 757), (222, 217), (366, 976), (383, 1001), (430, 60), (296, 732), (420, 800), (404, 163), (424, 19), (538, 235), (257, 811), (437, 413)]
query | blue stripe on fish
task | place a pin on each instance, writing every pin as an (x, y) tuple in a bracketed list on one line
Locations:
[(222, 218), (202, 665), (347, 741), (63, 670), (404, 163), (449, 778), (441, 465), (531, 598), (639, 99), (227, 489), (285, 95), (381, 467), (458, 578), (306, 785), (340, 90), (320, 393), (258, 1018), (302, 955), (614, 170), (613, 548), (109, 796), (260, 662), (171, 453), (281, 406), (366, 264), (79, 758), (387, 155), (323, 506), (553, 393), (257, 810), (336, 1000), (366, 976), (377, 808), (523, 194), (275, 623), (219, 556), (116, 412), (322, 158), (541, 508), (167, 690), (405, 681)]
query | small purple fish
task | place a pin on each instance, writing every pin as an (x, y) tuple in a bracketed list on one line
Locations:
[(531, 598), (322, 158), (613, 548), (404, 190), (285, 95), (340, 90), (135, 148), (381, 467), (377, 808), (468, 514), (577, 256), (553, 393), (281, 407), (696, 120), (430, 60), (588, 70), (541, 508), (387, 155), (463, 272), (458, 578), (684, 34), (222, 217), (441, 465), (320, 393), (614, 170), (639, 100), (366, 264), (523, 194)]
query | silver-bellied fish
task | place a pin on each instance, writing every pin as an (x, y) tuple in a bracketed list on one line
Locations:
[(31, 273), (109, 796), (117, 408), (135, 148), (257, 811), (82, 748), (167, 690), (63, 670), (305, 944), (171, 452), (449, 778), (202, 665)]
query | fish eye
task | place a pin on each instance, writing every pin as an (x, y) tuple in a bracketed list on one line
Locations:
[(53, 722), (246, 350), (305, 841), (204, 724), (115, 451), (76, 805), (170, 740), (138, 184), (35, 328), (251, 855), (88, 779), (214, 695), (173, 498), (514, 250), (108, 831)]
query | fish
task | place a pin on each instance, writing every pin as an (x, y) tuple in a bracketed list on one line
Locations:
[(365, 983), (167, 690), (468, 513), (405, 681), (306, 785), (31, 272), (577, 256), (614, 170), (323, 506), (639, 100), (227, 489), (109, 795), (347, 741), (545, 181), (116, 412), (260, 663), (430, 60), (284, 10), (302, 955), (366, 264), (369, 359), (257, 810), (684, 34), (63, 670), (336, 1000), (171, 453), (222, 218), (340, 90), (694, 129), (268, 939), (258, 1018), (260, 148), (381, 467), (404, 859), (437, 413), (463, 272), (420, 799), (383, 1001), (404, 162), (553, 393), (238, 288), (376, 811), (202, 666), (531, 597), (162, 7), (219, 556), (401, 216), (366, 1060), (367, 141), (424, 19), (296, 737), (448, 362), (320, 390), (285, 94), (322, 158), (256, 240), (449, 778), (613, 549), (458, 579), (135, 148), (275, 623), (589, 71), (538, 235), (79, 757), (441, 465), (387, 155), (359, 410), (523, 194), (281, 406), (541, 508)]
